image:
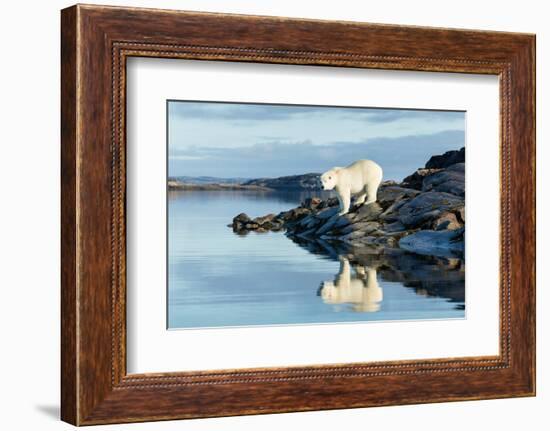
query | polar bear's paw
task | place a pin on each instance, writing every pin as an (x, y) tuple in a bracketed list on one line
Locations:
[(360, 200)]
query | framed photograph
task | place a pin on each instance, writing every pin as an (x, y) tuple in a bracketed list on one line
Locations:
[(263, 214)]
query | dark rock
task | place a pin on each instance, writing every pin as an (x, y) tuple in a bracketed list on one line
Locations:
[(342, 222), (311, 203), (293, 215), (450, 180), (327, 225), (240, 223), (365, 227), (392, 214), (427, 206), (446, 243), (415, 180), (389, 195), (447, 159), (307, 234), (357, 234), (397, 235), (368, 212), (277, 226), (395, 227), (446, 221), (386, 240), (460, 214), (264, 220), (241, 218), (327, 213), (327, 237), (330, 202), (308, 221)]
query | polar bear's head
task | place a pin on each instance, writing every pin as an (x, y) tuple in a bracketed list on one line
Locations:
[(329, 179)]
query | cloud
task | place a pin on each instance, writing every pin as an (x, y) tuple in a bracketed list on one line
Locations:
[(243, 112), (239, 111), (398, 157), (391, 115)]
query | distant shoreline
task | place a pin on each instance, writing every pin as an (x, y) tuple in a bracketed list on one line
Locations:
[(174, 185), (303, 182)]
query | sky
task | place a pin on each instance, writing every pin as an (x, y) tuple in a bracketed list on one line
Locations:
[(241, 140)]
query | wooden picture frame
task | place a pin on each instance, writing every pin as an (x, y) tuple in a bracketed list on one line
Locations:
[(95, 43)]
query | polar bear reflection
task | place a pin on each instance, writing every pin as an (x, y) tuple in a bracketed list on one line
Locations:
[(359, 288)]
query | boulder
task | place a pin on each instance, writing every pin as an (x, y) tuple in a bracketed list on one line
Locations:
[(446, 221), (327, 213), (446, 159), (447, 243), (307, 234), (241, 218), (264, 220), (460, 214), (389, 195), (356, 235), (392, 214), (311, 203), (366, 227), (386, 240), (396, 226), (327, 225), (308, 221), (330, 202), (415, 180), (239, 222), (277, 225), (450, 180), (343, 221), (294, 215), (368, 212), (426, 207)]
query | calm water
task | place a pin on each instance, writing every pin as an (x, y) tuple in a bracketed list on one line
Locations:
[(218, 278)]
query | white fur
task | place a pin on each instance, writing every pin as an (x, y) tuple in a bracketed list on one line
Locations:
[(360, 288), (360, 179)]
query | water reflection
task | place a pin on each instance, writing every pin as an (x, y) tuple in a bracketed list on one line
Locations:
[(219, 279), (361, 269), (357, 286)]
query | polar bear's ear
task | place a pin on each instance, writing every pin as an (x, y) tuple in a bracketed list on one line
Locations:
[(337, 168)]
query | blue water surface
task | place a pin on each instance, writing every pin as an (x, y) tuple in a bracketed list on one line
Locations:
[(217, 278)]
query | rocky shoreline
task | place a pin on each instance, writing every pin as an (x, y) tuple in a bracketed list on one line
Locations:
[(423, 214), (305, 182)]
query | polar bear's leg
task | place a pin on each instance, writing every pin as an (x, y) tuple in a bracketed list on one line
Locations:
[(340, 202), (360, 270), (361, 197), (344, 274), (372, 190), (344, 196)]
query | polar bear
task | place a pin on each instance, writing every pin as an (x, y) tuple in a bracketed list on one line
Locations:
[(360, 179), (361, 289)]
